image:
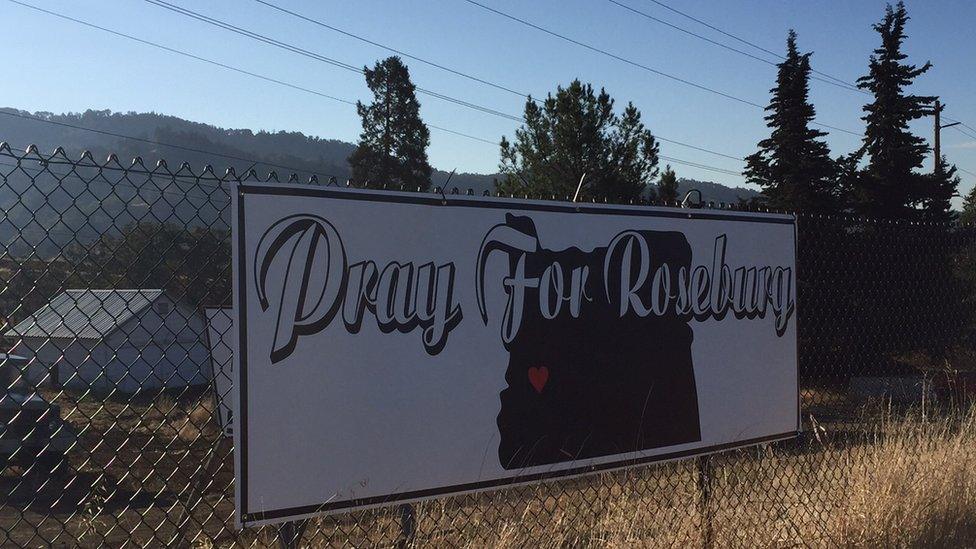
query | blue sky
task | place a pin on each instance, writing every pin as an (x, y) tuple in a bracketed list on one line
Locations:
[(61, 66)]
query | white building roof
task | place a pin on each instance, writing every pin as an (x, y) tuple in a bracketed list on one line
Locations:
[(85, 314)]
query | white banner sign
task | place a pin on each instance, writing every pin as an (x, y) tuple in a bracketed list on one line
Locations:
[(397, 346)]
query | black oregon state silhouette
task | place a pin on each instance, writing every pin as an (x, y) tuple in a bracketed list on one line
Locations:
[(598, 384)]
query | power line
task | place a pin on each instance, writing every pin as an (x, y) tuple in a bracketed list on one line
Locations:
[(318, 57), (394, 50), (460, 73), (719, 44), (222, 65), (294, 49), (697, 148), (613, 55), (123, 136), (839, 81), (160, 143), (963, 124), (201, 151), (716, 29), (288, 47), (176, 51), (634, 63), (274, 42), (455, 132), (307, 90), (960, 130), (699, 166), (748, 43), (350, 67)]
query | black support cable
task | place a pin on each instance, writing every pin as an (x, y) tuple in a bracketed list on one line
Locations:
[(460, 73), (160, 143), (840, 81), (699, 166), (221, 65), (393, 50), (613, 55), (634, 63), (963, 124), (201, 151), (350, 67), (746, 42), (174, 50), (314, 92), (646, 15), (316, 56), (960, 129)]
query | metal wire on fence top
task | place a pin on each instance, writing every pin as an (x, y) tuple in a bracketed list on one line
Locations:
[(114, 281)]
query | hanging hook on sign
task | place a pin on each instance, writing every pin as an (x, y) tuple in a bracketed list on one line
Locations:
[(444, 186), (688, 203), (579, 187)]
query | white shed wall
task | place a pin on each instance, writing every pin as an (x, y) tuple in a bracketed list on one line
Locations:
[(55, 361)]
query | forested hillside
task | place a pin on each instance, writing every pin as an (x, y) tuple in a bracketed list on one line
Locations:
[(325, 157), (47, 214)]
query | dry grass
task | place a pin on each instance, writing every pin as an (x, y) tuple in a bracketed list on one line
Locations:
[(916, 486), (875, 479), (907, 483)]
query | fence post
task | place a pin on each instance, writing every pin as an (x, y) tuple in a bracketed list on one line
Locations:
[(408, 526), (704, 502), (290, 534)]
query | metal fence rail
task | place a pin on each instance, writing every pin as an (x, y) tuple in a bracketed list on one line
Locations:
[(114, 432)]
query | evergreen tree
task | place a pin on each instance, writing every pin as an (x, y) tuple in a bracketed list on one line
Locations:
[(968, 215), (793, 165), (890, 186), (667, 187), (937, 191), (573, 133), (393, 145)]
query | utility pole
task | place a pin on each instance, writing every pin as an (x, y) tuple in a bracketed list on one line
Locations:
[(937, 149)]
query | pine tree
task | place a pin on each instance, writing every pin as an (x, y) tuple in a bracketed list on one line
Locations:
[(393, 145), (890, 186), (573, 133), (792, 165), (667, 187), (968, 215), (937, 191)]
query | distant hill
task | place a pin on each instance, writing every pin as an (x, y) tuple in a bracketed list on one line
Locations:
[(34, 219), (714, 192), (305, 154), (302, 154)]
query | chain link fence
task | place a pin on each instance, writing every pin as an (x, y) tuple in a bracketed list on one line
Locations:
[(114, 420)]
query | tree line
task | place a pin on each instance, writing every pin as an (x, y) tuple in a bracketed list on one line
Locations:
[(576, 138)]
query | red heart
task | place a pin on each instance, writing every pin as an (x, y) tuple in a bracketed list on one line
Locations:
[(538, 377)]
